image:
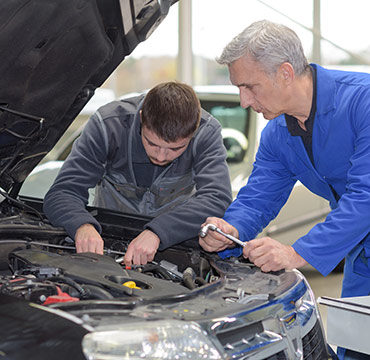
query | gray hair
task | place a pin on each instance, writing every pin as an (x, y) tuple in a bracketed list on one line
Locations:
[(270, 44)]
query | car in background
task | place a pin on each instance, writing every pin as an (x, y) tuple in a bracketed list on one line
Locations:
[(241, 129)]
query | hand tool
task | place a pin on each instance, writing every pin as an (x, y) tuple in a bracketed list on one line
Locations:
[(204, 230)]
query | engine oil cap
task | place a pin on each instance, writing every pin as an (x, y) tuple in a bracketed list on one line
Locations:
[(131, 285)]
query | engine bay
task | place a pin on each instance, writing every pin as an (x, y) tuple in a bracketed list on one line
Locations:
[(45, 276), (231, 300), (39, 263)]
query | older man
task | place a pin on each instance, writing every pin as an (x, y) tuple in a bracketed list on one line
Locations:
[(319, 134)]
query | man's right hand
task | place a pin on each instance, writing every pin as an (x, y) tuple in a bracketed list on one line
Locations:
[(87, 239), (214, 241), (142, 249)]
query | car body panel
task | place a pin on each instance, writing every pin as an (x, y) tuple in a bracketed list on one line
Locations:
[(45, 333)]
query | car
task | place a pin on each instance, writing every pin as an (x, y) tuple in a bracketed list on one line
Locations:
[(56, 303)]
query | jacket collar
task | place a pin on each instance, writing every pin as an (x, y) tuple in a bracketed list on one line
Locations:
[(326, 89), (137, 151)]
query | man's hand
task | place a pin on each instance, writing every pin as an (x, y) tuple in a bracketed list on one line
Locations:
[(271, 255), (214, 241), (87, 239), (142, 249)]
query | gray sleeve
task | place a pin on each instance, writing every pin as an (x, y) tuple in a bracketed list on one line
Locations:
[(65, 202), (213, 191)]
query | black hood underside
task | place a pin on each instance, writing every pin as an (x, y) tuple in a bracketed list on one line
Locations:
[(54, 55)]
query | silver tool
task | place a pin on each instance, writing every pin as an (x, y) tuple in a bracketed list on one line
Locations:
[(204, 230), (120, 259)]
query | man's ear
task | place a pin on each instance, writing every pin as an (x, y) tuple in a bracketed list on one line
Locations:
[(286, 72)]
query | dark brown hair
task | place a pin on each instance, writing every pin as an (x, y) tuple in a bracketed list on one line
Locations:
[(171, 110)]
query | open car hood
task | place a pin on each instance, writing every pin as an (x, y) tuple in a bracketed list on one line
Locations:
[(54, 55)]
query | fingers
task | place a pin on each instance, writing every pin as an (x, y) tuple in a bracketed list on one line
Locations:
[(128, 256), (271, 255), (213, 241), (142, 258), (222, 225), (142, 249), (87, 239), (211, 244), (137, 255), (266, 263), (254, 249), (90, 245), (266, 253)]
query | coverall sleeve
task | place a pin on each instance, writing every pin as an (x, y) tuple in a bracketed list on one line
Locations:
[(213, 191), (267, 190), (65, 202), (347, 225)]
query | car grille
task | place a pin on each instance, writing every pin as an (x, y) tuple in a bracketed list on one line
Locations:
[(278, 356), (313, 343), (313, 346)]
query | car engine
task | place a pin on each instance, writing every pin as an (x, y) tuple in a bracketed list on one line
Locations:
[(187, 303)]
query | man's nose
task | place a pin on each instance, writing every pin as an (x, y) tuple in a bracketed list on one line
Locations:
[(246, 98), (161, 154)]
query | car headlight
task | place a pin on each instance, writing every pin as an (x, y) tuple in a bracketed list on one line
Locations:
[(156, 340)]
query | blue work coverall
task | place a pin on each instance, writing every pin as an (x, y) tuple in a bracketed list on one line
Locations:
[(341, 153)]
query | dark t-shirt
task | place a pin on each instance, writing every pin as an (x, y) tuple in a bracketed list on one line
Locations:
[(296, 130)]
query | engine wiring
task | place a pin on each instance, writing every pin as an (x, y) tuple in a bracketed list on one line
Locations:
[(48, 284)]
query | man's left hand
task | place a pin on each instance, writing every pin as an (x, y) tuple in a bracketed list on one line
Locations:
[(142, 249), (271, 255)]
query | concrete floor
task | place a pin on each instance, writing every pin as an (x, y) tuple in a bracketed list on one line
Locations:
[(330, 285)]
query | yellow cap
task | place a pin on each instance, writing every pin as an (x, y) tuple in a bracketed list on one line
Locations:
[(131, 285)]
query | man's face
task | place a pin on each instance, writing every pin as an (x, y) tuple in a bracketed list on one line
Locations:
[(263, 92), (161, 152)]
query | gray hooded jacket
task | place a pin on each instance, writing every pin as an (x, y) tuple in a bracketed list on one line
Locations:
[(109, 156)]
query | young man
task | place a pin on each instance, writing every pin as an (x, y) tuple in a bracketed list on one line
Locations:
[(319, 134), (159, 155)]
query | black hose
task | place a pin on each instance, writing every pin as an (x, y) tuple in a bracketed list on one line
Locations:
[(97, 292), (84, 294), (157, 269)]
